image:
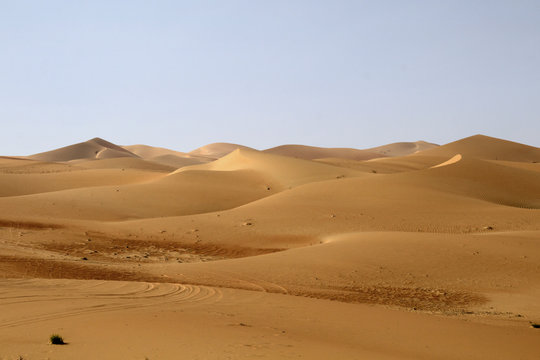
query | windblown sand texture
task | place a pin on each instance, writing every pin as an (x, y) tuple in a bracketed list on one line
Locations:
[(403, 251)]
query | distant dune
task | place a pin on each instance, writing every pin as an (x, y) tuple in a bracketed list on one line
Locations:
[(287, 171), (487, 148), (95, 148), (146, 151), (165, 156), (217, 150), (402, 148), (312, 152)]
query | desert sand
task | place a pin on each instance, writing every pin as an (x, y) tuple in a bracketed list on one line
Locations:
[(408, 250)]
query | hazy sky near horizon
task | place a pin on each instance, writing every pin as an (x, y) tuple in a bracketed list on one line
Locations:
[(181, 74)]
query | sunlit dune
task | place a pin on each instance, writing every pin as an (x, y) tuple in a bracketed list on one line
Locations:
[(454, 159)]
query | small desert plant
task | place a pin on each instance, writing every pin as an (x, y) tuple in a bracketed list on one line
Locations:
[(56, 339)]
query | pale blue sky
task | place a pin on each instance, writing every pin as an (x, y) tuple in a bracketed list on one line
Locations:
[(181, 74)]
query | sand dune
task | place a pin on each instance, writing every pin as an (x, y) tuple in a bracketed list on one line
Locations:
[(387, 165), (95, 148), (24, 184), (166, 157), (487, 148), (427, 252), (286, 171), (178, 161), (123, 163), (312, 152), (23, 177), (148, 152), (487, 181), (217, 150), (402, 148), (189, 192), (28, 166)]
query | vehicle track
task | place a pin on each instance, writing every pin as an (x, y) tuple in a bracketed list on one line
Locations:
[(101, 296)]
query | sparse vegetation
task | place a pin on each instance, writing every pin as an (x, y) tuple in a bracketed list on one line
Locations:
[(57, 340)]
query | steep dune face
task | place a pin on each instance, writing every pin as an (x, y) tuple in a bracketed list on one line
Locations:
[(487, 148), (402, 148), (92, 149), (454, 159), (217, 150), (312, 152)]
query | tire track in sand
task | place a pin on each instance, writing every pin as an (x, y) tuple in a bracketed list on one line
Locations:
[(97, 298)]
